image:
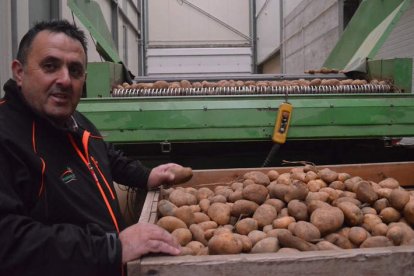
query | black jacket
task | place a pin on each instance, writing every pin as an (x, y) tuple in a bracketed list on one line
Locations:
[(56, 217)]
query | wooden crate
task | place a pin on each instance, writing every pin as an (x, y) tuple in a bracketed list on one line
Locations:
[(397, 260)]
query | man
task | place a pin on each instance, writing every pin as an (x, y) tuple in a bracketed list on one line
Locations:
[(59, 214)]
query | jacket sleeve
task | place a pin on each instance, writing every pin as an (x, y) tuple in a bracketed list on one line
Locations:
[(29, 247), (126, 171)]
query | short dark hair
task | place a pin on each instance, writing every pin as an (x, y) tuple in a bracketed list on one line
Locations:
[(54, 26)]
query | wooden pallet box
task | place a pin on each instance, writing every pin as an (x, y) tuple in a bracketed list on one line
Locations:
[(395, 260)]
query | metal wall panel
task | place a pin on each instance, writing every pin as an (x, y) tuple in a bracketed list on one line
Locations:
[(194, 61), (268, 28), (198, 22), (5, 42), (400, 43)]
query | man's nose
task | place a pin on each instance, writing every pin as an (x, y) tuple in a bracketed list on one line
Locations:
[(63, 77)]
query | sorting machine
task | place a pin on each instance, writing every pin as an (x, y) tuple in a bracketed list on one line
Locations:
[(355, 116), (336, 118)]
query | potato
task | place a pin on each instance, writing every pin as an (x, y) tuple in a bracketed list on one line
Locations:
[(333, 194), (298, 190), (398, 198), (255, 192), (208, 225), (225, 243), (343, 176), (236, 195), (328, 175), (277, 203), (365, 192), (186, 251), (246, 225), (298, 210), (266, 245), (204, 193), (256, 235), (185, 214), (226, 192), (339, 240), (243, 207), (181, 174), (406, 236), (237, 186), (370, 220), (182, 235), (379, 229), (353, 215), (298, 175), (246, 242), (346, 199), (337, 185), (310, 175), (322, 196), (283, 222), (306, 231), (278, 190), (166, 208), (204, 204), (284, 178), (380, 204), (171, 223), (368, 210), (376, 241), (180, 198), (390, 183), (273, 175), (314, 204), (257, 177), (265, 214), (357, 235), (286, 239), (219, 212), (389, 215), (195, 246), (325, 245), (267, 228), (217, 198), (327, 220), (198, 234)]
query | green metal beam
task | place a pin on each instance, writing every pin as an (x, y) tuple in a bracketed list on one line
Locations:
[(366, 32), (90, 14), (236, 118)]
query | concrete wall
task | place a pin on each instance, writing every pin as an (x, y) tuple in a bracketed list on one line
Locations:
[(400, 43), (310, 31)]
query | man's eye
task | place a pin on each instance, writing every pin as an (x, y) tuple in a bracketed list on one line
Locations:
[(49, 67), (76, 71)]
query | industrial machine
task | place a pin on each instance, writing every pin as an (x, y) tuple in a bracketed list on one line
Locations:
[(356, 115)]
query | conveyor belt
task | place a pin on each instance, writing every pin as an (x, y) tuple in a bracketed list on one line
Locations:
[(253, 90)]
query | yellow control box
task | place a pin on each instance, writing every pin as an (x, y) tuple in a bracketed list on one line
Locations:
[(282, 123)]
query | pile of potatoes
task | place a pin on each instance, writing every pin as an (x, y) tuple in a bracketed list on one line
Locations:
[(161, 84), (301, 210)]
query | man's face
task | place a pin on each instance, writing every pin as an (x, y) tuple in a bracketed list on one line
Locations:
[(52, 78)]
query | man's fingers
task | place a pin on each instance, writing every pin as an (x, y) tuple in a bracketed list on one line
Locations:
[(157, 246)]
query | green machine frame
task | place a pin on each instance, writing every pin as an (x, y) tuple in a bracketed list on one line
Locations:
[(170, 122)]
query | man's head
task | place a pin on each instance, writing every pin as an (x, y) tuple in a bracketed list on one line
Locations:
[(50, 68)]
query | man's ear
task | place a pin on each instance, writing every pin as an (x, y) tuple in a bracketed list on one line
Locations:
[(18, 72)]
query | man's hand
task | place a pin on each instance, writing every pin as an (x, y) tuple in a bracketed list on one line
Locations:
[(143, 238), (161, 175)]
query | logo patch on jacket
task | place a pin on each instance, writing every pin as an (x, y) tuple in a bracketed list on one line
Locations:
[(68, 175)]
